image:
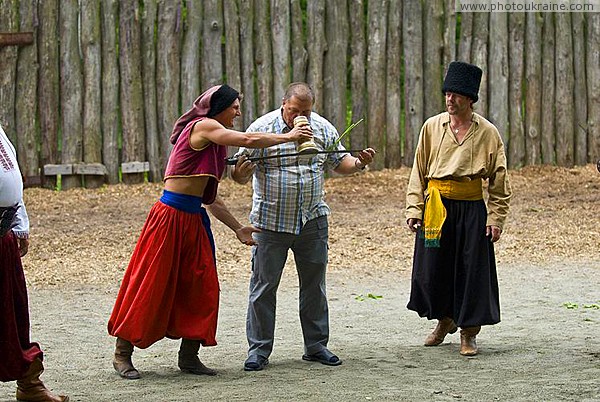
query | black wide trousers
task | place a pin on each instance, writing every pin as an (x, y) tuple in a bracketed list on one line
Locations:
[(458, 279)]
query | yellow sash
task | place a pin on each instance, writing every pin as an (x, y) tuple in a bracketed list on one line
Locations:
[(435, 212)]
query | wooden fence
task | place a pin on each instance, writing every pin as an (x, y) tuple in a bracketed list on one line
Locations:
[(94, 91)]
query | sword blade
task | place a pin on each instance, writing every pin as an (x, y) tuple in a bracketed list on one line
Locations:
[(233, 160)]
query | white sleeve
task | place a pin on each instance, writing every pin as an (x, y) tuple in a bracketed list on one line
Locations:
[(21, 230)]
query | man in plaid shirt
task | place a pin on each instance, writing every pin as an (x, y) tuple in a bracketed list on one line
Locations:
[(289, 208)]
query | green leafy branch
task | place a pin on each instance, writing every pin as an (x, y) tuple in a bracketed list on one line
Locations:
[(361, 297), (346, 132)]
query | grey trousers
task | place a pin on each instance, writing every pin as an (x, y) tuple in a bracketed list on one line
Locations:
[(310, 249)]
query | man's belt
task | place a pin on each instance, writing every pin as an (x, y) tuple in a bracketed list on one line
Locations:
[(7, 219)]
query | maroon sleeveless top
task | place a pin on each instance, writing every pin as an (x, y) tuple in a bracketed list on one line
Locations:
[(186, 161)]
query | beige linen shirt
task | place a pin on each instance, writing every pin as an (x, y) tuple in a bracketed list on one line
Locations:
[(440, 156)]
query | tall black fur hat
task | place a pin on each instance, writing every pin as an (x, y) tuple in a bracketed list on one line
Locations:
[(464, 79)]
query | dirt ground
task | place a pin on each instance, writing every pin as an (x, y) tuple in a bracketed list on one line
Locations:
[(545, 348)]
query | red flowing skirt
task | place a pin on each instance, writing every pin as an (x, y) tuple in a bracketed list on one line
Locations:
[(170, 288), (16, 350)]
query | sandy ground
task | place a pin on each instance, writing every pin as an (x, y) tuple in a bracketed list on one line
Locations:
[(546, 347)]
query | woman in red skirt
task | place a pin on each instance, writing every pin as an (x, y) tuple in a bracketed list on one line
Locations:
[(170, 288)]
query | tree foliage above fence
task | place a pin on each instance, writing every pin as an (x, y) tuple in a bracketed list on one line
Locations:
[(99, 103)]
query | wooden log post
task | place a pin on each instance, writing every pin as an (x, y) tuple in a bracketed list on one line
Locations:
[(516, 44), (247, 60), (153, 134), (168, 73), (393, 154), (593, 85), (580, 89), (358, 81), (299, 52), (336, 61), (315, 15), (565, 85), (533, 76), (376, 84), (548, 90), (281, 35), (71, 90), (26, 98), (48, 86), (92, 83), (9, 21), (132, 100), (110, 89), (413, 77), (263, 57)]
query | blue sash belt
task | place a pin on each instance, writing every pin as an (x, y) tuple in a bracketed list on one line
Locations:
[(192, 205)]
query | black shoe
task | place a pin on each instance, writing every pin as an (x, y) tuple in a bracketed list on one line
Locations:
[(255, 363), (323, 357)]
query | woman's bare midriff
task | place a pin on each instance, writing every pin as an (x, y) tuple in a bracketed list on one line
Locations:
[(187, 185)]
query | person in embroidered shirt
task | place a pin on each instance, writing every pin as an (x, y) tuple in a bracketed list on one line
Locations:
[(454, 269), (170, 288), (289, 207), (21, 359)]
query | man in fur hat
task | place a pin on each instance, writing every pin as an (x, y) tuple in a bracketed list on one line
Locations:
[(454, 269)]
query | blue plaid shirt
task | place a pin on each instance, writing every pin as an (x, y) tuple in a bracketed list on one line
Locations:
[(288, 192)]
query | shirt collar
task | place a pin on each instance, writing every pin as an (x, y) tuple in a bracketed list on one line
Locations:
[(446, 119)]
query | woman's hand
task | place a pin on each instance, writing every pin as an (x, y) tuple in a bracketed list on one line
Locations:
[(244, 234)]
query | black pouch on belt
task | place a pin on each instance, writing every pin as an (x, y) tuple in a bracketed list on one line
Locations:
[(7, 219)]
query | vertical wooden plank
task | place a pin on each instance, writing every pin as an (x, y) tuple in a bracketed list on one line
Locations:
[(449, 35), (433, 51), (376, 84), (565, 84), (232, 54), (8, 69), (168, 72), (262, 57), (281, 31), (132, 100), (26, 100), (413, 76), (110, 89), (212, 52), (548, 104), (154, 136), (92, 79), (48, 84), (247, 60), (71, 90), (593, 85), (498, 75), (393, 148), (358, 82), (466, 37), (336, 61), (533, 76), (190, 53), (232, 48), (315, 15), (580, 88), (516, 43), (299, 53), (479, 56)]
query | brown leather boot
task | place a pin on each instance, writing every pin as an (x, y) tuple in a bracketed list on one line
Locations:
[(188, 359), (31, 388), (444, 327), (122, 361), (468, 345)]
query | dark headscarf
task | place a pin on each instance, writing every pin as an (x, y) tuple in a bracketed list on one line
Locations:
[(212, 102)]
